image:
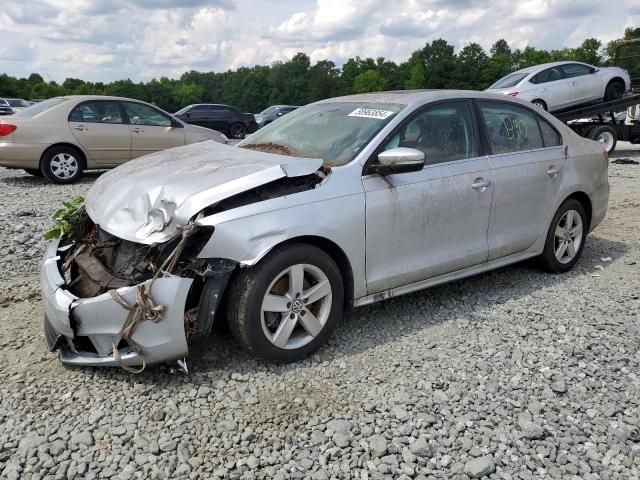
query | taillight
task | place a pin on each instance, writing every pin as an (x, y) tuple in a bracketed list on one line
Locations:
[(6, 129), (512, 94)]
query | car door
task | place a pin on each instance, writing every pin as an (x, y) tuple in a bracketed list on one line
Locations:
[(221, 115), (528, 161), (151, 129), (423, 224), (583, 84), (552, 87), (198, 115), (99, 127)]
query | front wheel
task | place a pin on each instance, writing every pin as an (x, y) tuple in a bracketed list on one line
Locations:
[(287, 306), (566, 237), (237, 130)]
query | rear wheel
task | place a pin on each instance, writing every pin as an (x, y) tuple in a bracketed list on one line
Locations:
[(237, 130), (539, 104), (566, 237), (62, 165), (614, 90), (286, 307), (605, 136)]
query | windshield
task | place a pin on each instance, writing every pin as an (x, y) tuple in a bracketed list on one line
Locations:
[(269, 111), (334, 132), (510, 80), (17, 102), (183, 110), (40, 107)]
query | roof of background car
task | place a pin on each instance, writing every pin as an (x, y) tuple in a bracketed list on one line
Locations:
[(544, 66)]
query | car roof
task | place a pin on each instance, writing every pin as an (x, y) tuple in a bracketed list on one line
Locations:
[(415, 97), (544, 66)]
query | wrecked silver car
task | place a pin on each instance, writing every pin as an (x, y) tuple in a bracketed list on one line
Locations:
[(341, 203)]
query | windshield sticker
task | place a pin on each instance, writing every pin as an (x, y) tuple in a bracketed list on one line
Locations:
[(371, 113)]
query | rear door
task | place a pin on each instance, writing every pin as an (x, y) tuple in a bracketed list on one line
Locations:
[(151, 129), (552, 87), (100, 129), (528, 161), (583, 84)]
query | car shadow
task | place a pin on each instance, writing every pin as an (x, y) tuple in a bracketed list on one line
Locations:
[(19, 178), (220, 355)]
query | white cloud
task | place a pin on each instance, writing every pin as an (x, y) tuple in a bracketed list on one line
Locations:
[(141, 39)]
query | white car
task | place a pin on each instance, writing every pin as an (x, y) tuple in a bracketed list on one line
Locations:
[(553, 86), (17, 104)]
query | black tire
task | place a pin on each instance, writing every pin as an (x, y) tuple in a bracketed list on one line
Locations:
[(605, 135), (614, 90), (237, 130), (249, 286), (71, 168), (548, 259), (33, 171), (539, 103)]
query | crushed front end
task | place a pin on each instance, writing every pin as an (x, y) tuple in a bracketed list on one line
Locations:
[(96, 285)]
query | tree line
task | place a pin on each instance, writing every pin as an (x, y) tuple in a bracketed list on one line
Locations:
[(298, 82)]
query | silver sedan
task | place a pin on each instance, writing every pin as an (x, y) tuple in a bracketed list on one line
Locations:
[(341, 203)]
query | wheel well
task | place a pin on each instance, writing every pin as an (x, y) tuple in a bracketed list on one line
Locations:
[(338, 256), (584, 199), (82, 158), (539, 100), (616, 79)]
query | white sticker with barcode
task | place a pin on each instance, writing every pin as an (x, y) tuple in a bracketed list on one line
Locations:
[(371, 113)]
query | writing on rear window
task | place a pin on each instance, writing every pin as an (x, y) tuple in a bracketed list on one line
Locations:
[(371, 113)]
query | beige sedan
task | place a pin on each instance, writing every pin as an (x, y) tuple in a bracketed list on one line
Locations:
[(63, 136)]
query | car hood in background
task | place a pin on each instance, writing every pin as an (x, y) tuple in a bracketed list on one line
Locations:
[(144, 200)]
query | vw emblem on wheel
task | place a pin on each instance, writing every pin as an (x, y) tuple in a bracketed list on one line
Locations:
[(297, 306)]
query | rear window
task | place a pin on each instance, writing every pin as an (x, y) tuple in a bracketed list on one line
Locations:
[(34, 110), (511, 128), (509, 81)]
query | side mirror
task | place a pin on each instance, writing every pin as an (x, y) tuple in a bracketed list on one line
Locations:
[(279, 114), (398, 160)]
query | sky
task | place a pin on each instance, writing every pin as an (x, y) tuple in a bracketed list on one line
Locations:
[(105, 40)]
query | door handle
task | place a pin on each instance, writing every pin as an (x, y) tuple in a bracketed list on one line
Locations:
[(80, 128), (553, 171), (137, 130), (480, 184)]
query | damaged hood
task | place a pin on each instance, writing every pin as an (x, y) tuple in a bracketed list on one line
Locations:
[(145, 199)]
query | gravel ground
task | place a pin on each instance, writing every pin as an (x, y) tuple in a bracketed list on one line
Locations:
[(512, 374)]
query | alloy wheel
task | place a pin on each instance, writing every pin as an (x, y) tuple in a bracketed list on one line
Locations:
[(606, 140), (296, 306), (568, 236)]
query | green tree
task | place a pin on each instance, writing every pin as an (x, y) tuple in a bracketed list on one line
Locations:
[(369, 81)]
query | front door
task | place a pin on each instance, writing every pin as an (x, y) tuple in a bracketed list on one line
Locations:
[(528, 163), (424, 224), (552, 87), (101, 131), (151, 129), (583, 84)]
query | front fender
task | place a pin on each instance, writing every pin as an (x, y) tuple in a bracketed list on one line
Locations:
[(249, 238)]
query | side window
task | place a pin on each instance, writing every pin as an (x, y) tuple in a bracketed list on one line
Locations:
[(103, 111), (140, 114), (444, 132), (548, 75), (550, 135), (200, 109), (575, 70), (511, 128)]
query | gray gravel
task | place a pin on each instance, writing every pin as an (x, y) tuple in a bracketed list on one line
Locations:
[(514, 374)]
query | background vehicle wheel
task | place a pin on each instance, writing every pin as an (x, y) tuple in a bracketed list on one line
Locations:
[(540, 104), (288, 305), (33, 171), (605, 136), (614, 90), (62, 165), (566, 237), (237, 130)]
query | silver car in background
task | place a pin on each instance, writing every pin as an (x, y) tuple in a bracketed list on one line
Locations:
[(340, 203), (553, 86)]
